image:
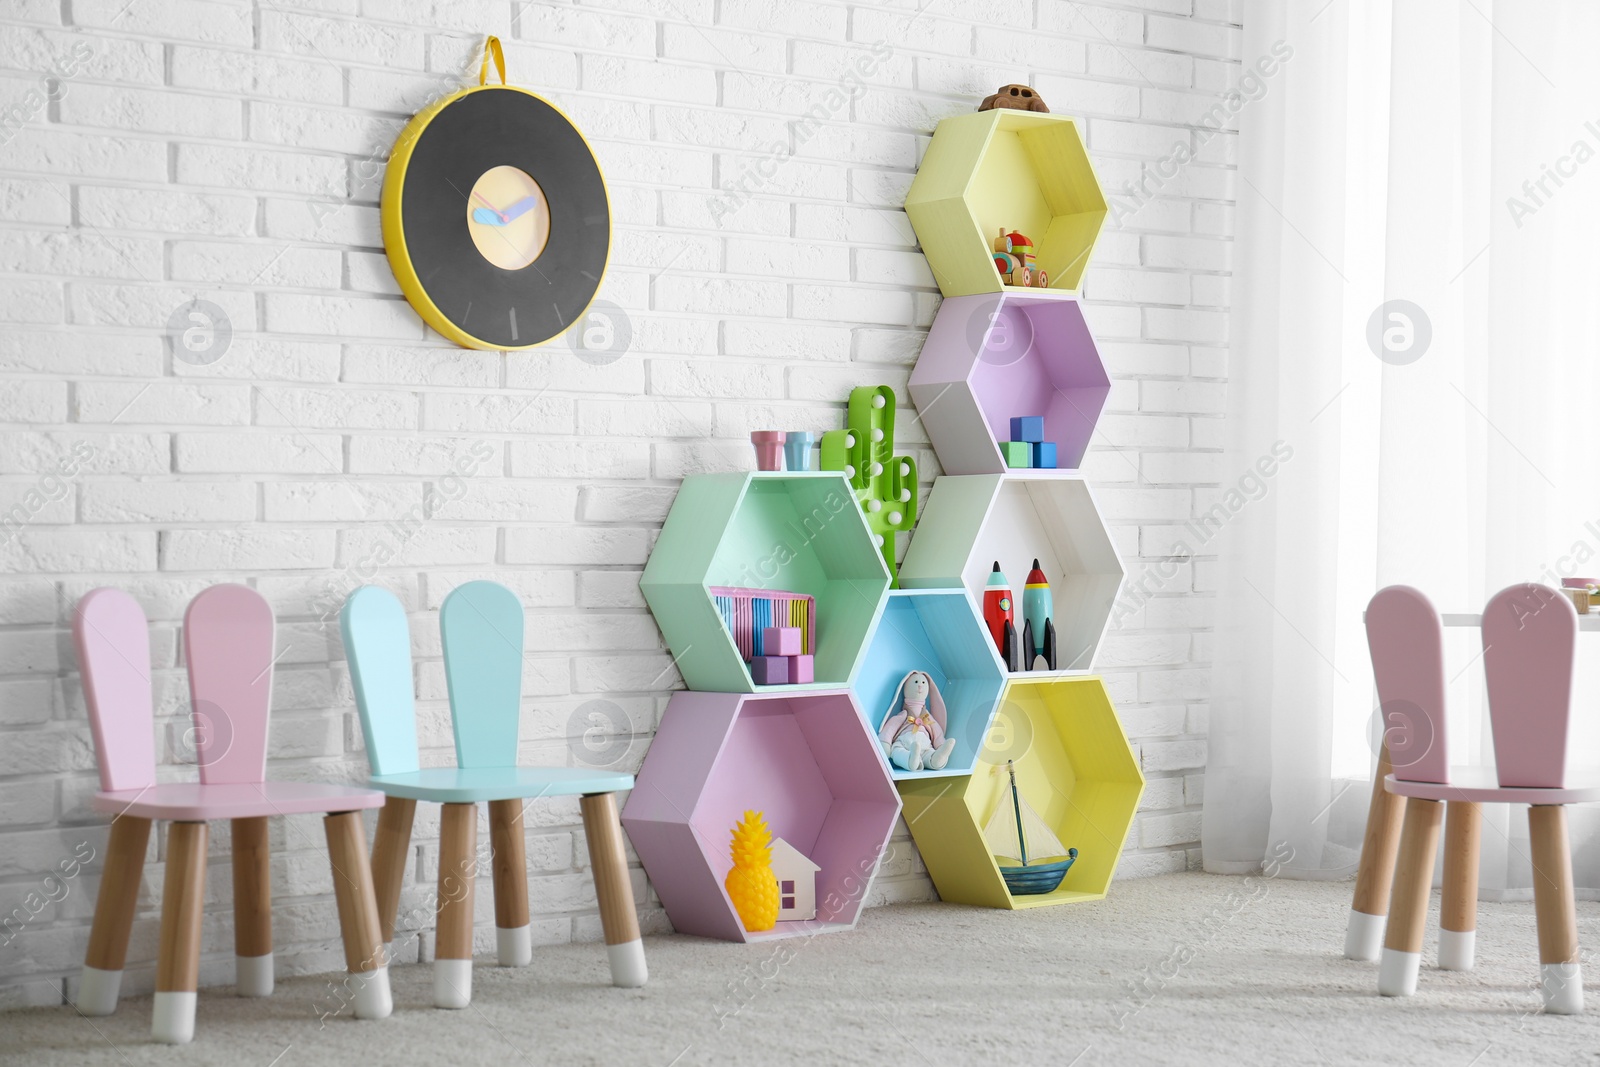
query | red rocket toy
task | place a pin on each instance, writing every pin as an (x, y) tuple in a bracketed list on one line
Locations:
[(999, 614)]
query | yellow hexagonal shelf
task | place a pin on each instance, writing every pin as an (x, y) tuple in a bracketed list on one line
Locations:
[(1074, 768), (1003, 171)]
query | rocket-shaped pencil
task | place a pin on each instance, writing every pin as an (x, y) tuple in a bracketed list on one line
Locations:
[(1038, 630), (999, 614)]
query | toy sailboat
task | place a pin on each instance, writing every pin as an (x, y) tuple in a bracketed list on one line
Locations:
[(1032, 859)]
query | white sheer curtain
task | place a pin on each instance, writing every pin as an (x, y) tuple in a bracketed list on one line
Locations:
[(1444, 153)]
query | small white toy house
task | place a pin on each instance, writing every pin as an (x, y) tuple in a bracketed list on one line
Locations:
[(797, 881)]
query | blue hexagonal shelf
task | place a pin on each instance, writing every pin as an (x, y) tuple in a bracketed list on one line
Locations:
[(934, 630)]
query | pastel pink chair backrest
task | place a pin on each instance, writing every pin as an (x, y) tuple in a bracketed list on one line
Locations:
[(1406, 641), (1530, 642), (112, 638), (227, 643)]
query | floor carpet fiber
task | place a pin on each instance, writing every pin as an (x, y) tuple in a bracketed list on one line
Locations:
[(1185, 969)]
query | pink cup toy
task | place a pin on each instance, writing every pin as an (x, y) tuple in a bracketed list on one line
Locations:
[(769, 449)]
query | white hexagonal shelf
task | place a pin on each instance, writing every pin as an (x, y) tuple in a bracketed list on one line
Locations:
[(972, 521)]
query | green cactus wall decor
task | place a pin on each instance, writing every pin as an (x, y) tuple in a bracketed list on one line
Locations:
[(886, 484)]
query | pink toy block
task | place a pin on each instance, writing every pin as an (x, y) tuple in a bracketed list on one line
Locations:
[(802, 669), (781, 641), (771, 670)]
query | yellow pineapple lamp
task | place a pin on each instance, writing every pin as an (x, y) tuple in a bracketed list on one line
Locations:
[(751, 884)]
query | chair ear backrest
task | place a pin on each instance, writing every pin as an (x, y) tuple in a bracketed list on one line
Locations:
[(377, 642), (228, 644), (1530, 641), (112, 637), (1406, 641), (481, 626)]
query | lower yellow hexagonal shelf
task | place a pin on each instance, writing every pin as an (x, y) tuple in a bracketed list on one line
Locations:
[(1074, 768)]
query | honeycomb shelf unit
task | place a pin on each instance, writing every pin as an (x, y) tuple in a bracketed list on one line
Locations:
[(801, 532), (1005, 170), (934, 630), (1074, 767), (1018, 353), (971, 521), (804, 759)]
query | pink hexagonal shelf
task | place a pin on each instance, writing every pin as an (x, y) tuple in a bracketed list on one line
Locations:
[(995, 356), (805, 760)]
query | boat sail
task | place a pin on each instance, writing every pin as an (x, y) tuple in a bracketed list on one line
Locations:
[(1031, 858)]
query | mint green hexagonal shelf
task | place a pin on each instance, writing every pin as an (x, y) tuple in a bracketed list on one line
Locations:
[(800, 532)]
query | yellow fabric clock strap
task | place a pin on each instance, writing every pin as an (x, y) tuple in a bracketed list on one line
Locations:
[(492, 47)]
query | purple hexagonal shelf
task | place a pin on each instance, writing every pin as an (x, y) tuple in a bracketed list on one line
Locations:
[(995, 356), (805, 760)]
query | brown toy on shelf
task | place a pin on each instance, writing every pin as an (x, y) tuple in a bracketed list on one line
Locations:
[(1017, 97)]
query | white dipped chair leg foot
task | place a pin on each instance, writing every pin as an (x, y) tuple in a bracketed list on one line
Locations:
[(628, 968), (1397, 972), (98, 991), (1457, 949), (452, 983), (1363, 936), (1561, 986), (514, 946), (172, 1021), (253, 975), (372, 998)]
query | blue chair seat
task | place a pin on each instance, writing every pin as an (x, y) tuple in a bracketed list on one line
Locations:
[(468, 785)]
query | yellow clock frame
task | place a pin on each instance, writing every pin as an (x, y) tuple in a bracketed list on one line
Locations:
[(394, 238)]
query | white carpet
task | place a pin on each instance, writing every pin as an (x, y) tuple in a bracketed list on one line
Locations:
[(1231, 972)]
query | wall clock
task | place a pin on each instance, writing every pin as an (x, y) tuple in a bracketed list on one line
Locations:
[(495, 215)]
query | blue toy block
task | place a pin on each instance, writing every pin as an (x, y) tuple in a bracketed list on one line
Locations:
[(1044, 454), (1028, 428)]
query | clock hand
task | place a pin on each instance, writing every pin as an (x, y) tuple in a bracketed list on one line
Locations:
[(488, 215), (520, 208)]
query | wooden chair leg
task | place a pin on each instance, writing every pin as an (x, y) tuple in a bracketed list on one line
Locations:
[(182, 908), (101, 982), (391, 846), (252, 908), (458, 859), (358, 915), (1560, 977), (620, 921), (1408, 915), (1363, 934), (1458, 905), (513, 935)]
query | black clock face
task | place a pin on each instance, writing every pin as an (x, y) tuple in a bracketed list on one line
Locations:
[(505, 217)]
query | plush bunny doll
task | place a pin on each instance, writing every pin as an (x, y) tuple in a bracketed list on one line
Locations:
[(912, 734)]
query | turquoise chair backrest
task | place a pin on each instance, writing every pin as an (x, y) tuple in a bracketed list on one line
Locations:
[(377, 642), (481, 625)]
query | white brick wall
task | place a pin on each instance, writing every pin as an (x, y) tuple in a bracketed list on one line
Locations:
[(163, 150)]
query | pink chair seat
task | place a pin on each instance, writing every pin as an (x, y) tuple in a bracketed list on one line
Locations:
[(1479, 785), (197, 802)]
